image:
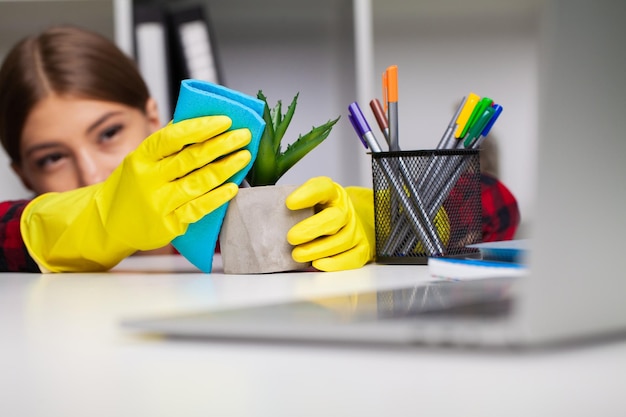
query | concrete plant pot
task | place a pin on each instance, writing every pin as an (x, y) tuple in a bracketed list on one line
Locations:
[(253, 238)]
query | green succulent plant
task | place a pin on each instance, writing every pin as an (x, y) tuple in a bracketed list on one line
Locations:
[(272, 162)]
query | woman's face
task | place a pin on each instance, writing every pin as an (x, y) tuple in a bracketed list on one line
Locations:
[(68, 143)]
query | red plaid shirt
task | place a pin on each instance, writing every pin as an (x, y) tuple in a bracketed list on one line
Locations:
[(501, 214), (13, 254)]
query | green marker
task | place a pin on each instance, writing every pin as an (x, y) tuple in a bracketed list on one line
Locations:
[(484, 103)]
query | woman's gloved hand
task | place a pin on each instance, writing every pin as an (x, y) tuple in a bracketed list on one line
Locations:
[(174, 178), (340, 235)]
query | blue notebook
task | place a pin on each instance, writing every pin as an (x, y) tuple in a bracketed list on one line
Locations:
[(457, 269), (498, 259), (514, 250)]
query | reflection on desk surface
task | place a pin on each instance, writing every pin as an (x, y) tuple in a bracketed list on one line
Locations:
[(339, 315)]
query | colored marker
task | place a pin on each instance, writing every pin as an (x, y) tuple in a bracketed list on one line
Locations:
[(466, 112), (381, 118), (392, 106), (476, 114), (446, 140), (496, 113)]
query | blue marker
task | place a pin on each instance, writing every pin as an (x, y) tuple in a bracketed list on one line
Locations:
[(497, 109)]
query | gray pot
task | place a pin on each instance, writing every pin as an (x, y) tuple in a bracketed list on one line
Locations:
[(253, 239)]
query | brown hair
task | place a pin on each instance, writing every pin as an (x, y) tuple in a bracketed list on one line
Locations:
[(68, 61)]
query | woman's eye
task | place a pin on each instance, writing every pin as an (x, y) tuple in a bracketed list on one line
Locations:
[(48, 160), (110, 132)]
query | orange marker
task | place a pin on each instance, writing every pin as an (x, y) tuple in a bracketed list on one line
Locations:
[(391, 78)]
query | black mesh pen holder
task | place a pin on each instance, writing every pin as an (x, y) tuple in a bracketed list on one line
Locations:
[(426, 203)]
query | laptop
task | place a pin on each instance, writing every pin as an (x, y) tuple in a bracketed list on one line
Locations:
[(575, 289)]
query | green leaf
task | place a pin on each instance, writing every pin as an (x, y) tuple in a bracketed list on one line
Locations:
[(302, 146), (267, 117), (271, 162), (277, 116), (282, 126), (265, 163)]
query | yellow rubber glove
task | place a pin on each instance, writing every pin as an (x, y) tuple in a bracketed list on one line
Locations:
[(340, 235), (174, 177)]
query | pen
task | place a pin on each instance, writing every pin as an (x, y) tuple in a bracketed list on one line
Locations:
[(362, 128), (496, 113), (358, 130), (454, 167), (447, 135), (381, 118), (448, 141), (477, 128), (391, 78), (470, 103), (477, 134), (422, 226), (476, 113)]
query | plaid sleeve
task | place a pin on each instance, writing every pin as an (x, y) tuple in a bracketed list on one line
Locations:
[(14, 256), (501, 214)]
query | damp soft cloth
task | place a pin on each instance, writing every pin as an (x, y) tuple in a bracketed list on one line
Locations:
[(201, 98)]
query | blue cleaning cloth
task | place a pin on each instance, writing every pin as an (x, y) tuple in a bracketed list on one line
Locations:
[(201, 98)]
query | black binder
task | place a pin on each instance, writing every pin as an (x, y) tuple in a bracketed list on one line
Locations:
[(193, 44)]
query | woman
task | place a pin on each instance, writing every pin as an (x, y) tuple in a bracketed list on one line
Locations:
[(83, 133)]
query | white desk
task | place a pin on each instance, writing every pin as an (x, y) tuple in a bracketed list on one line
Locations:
[(62, 353)]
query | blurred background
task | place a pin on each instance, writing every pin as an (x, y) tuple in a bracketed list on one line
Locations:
[(333, 52)]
